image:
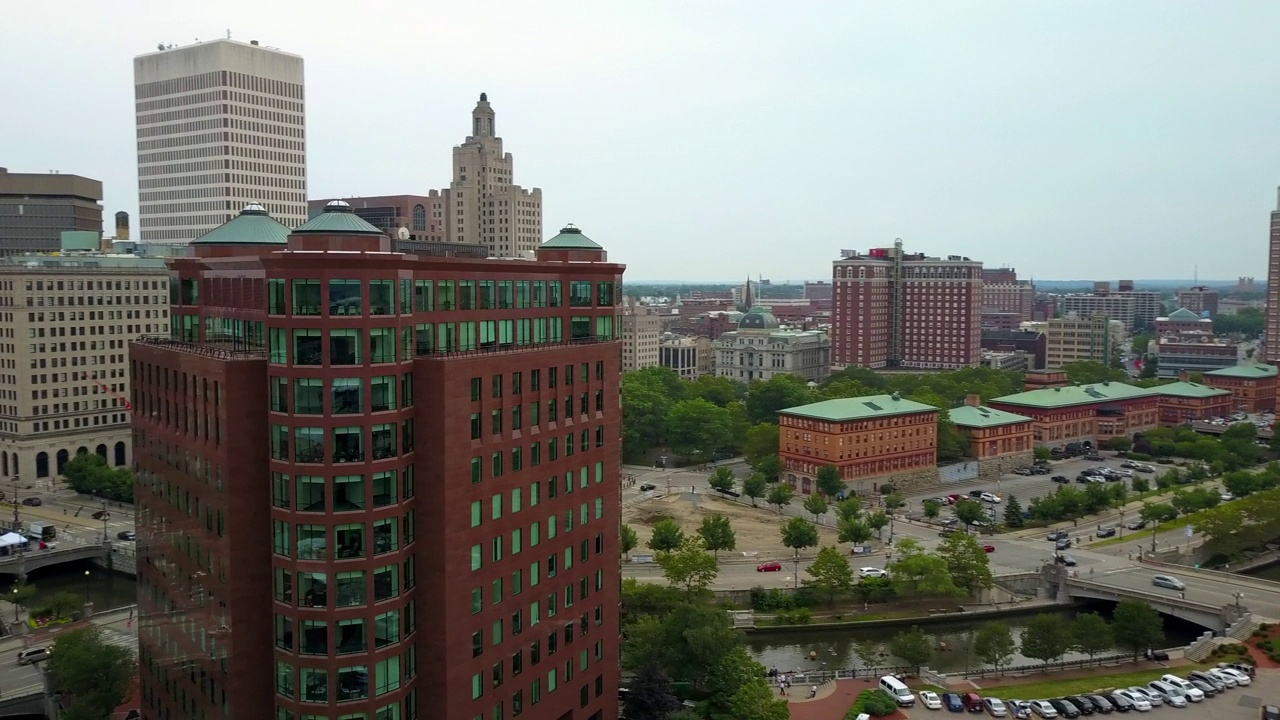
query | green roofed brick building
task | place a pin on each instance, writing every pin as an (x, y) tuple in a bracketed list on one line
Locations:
[(1253, 387), (881, 438), (1076, 413), (1183, 401), (998, 439)]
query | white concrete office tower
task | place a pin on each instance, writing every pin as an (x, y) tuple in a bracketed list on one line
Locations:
[(486, 208), (221, 124)]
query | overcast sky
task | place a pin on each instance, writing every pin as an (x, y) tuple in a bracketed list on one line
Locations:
[(708, 140)]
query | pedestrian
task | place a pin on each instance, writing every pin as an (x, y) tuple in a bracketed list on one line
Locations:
[(1183, 595)]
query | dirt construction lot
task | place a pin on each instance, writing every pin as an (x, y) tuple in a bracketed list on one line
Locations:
[(757, 530)]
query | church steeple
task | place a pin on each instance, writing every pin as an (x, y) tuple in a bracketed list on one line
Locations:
[(746, 294), (482, 118)]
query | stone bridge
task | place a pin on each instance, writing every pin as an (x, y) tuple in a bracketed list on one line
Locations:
[(1208, 615), (36, 559)]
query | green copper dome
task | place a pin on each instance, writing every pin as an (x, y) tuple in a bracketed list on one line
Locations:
[(253, 226), (759, 318), (337, 219), (571, 238)]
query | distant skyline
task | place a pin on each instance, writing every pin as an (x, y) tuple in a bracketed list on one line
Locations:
[(1083, 139)]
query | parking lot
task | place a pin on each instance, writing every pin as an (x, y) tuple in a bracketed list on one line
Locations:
[(1024, 487)]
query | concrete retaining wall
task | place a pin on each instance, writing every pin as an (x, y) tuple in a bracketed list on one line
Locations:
[(1201, 647)]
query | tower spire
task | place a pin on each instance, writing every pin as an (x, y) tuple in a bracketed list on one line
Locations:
[(482, 118)]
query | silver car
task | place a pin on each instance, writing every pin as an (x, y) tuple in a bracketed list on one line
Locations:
[(1168, 582)]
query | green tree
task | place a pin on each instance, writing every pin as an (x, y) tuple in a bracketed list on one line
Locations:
[(722, 479), (62, 604), (780, 494), (770, 468), (667, 536), (754, 487), (877, 521), (913, 647), (967, 562), (1247, 321), (1136, 626), (690, 566), (92, 673), (1140, 484), (647, 397), (894, 500), (22, 594), (799, 534), (932, 508), (756, 700), (766, 397), (651, 695), (849, 508), (868, 652), (761, 442), (829, 481), (1150, 367), (1046, 638), (916, 572), (1013, 513), (1042, 453), (698, 428), (969, 512), (1158, 512), (715, 389), (627, 534), (995, 645), (1091, 634), (816, 505), (687, 640), (1140, 342), (853, 530), (1087, 372), (830, 572), (717, 534), (86, 473)]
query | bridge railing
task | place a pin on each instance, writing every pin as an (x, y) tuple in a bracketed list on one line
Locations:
[(1225, 578), (1148, 596)]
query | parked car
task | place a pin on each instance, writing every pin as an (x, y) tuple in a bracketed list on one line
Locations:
[(1060, 479), (1167, 582), (1059, 535), (988, 548), (872, 572), (1207, 677), (930, 700), (1043, 708), (1019, 709), (1064, 708), (1129, 464), (1084, 706), (1040, 469), (1023, 471), (989, 497), (994, 707), (1192, 693), (952, 702), (1093, 457), (646, 487), (1137, 524), (953, 499), (769, 566), (126, 535), (1205, 687), (1242, 677), (1124, 702), (1239, 668), (1156, 655), (1100, 704), (1106, 531), (1171, 695), (1145, 469), (32, 501), (972, 702), (1227, 680), (1270, 712), (1139, 692)]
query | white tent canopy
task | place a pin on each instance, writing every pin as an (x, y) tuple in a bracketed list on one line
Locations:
[(11, 538)]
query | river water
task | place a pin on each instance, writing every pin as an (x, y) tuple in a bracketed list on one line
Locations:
[(107, 590), (789, 650)]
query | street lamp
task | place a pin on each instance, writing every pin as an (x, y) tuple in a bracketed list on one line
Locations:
[(15, 603), (86, 587), (1238, 596)]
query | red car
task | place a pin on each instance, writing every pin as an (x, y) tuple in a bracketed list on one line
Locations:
[(988, 548), (769, 567), (952, 499)]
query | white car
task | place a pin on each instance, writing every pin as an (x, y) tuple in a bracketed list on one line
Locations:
[(1226, 497), (1140, 702), (1241, 679), (1123, 472), (1043, 709), (1171, 695), (930, 699), (1152, 697), (989, 497), (872, 572), (1193, 693)]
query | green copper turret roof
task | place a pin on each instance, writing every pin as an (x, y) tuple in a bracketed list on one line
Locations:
[(571, 238), (338, 219), (253, 226)]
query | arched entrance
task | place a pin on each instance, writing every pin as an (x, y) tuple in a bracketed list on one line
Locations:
[(63, 456), (82, 450), (102, 451), (119, 454), (42, 465)]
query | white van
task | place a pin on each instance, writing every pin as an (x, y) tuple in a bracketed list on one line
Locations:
[(32, 655), (899, 692)]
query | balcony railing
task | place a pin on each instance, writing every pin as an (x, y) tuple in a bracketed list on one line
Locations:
[(424, 351), (223, 350)]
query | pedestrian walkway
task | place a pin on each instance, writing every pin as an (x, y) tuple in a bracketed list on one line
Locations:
[(833, 701)]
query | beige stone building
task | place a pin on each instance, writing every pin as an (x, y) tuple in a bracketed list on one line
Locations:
[(220, 124), (1078, 339), (690, 357), (760, 349), (65, 323), (484, 205), (1136, 309), (641, 337)]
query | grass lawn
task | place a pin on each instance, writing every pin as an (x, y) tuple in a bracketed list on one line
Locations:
[(1076, 686)]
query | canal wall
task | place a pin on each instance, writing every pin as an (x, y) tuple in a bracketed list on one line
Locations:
[(124, 559), (1018, 607)]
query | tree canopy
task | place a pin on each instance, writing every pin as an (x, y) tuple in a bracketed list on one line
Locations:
[(90, 474), (1137, 626), (968, 563), (93, 674), (690, 566)]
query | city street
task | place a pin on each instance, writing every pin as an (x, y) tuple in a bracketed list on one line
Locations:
[(70, 512)]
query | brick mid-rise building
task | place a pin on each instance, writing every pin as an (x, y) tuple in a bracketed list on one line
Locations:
[(1084, 412), (377, 485), (1184, 401), (878, 437), (892, 309), (998, 440), (1253, 387)]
